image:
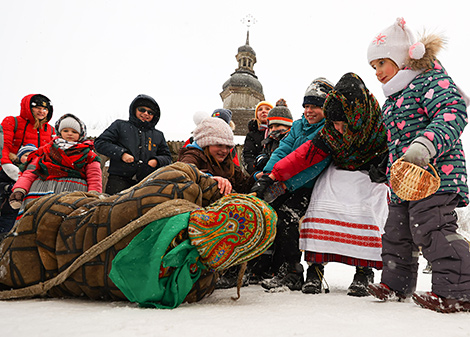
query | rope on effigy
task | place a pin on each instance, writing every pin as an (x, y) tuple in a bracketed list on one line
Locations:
[(163, 210)]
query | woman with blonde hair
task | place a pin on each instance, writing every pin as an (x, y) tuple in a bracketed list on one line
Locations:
[(257, 132)]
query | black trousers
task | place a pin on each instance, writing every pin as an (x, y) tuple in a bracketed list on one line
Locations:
[(290, 208), (116, 184)]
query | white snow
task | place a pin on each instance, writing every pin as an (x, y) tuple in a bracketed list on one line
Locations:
[(256, 313)]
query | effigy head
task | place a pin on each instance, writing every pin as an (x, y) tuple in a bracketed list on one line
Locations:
[(235, 229)]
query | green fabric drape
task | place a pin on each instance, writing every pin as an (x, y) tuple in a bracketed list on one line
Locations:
[(136, 268)]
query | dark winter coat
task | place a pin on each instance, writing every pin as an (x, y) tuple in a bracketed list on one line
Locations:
[(25, 132), (252, 147), (270, 143), (137, 138), (193, 154)]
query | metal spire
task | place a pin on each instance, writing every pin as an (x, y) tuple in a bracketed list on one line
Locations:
[(248, 20)]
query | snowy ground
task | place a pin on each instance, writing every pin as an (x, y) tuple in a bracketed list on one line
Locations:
[(256, 313)]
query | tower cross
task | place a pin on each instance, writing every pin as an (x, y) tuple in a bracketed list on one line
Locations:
[(248, 20)]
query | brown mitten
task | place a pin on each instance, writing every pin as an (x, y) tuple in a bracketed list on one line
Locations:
[(16, 198)]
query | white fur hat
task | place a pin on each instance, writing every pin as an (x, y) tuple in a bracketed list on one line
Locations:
[(393, 42), (213, 131)]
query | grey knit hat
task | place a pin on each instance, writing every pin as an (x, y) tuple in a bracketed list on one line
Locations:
[(70, 122), (213, 131), (280, 114), (317, 91), (225, 114)]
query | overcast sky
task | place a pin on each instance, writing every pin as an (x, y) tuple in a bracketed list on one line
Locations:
[(92, 57)]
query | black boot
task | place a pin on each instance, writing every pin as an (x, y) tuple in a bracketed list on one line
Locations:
[(289, 275), (229, 278), (362, 278), (314, 279), (259, 269)]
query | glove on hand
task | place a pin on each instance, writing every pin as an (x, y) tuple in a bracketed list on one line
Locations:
[(378, 174), (261, 186), (261, 161), (417, 154), (16, 198)]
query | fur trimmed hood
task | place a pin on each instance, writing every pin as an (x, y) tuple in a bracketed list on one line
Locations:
[(422, 54)]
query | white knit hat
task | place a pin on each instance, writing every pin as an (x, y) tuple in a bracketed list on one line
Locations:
[(70, 122), (213, 131), (393, 42)]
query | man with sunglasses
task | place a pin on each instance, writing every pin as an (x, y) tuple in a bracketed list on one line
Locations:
[(135, 148)]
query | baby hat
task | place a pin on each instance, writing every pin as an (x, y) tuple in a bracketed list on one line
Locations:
[(225, 114), (280, 114), (71, 121), (317, 91), (213, 131), (25, 149), (394, 42)]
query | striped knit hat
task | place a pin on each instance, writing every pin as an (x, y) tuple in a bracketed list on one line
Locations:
[(26, 149), (280, 114)]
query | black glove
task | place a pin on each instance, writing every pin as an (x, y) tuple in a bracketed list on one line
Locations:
[(261, 186), (16, 198), (377, 175), (261, 161), (378, 172)]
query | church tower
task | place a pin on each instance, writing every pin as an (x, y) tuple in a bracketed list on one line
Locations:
[(243, 91)]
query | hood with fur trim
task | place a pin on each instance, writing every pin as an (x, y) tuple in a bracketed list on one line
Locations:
[(422, 54)]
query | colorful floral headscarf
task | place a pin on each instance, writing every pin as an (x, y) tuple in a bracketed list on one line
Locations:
[(235, 229), (364, 137)]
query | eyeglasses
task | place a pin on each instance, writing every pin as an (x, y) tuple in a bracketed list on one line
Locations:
[(149, 111), (40, 108)]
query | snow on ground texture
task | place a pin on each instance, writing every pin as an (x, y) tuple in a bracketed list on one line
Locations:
[(256, 313)]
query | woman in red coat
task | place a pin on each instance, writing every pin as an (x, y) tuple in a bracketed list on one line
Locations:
[(30, 127)]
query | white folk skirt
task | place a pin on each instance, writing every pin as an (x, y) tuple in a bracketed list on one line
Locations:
[(346, 215)]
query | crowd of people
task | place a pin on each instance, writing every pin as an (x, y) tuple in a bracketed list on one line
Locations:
[(325, 175)]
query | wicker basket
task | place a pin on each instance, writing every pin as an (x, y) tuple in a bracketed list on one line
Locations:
[(411, 182)]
